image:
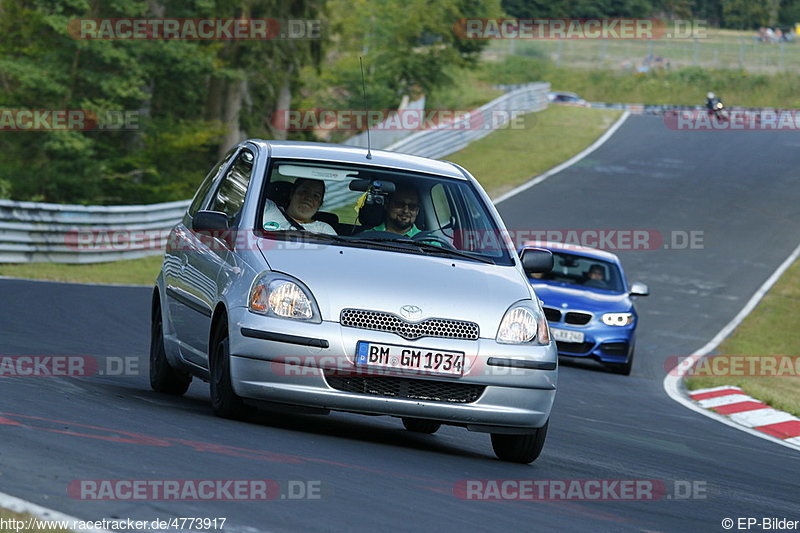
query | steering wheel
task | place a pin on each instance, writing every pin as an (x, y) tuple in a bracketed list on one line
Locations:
[(429, 237)]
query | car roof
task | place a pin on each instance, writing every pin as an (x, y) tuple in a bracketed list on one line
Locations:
[(594, 253), (358, 155)]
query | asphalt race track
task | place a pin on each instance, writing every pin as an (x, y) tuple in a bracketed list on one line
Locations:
[(741, 190)]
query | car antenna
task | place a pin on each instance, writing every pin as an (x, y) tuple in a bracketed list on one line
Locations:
[(364, 92)]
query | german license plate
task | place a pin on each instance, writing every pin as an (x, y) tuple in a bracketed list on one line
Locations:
[(566, 335), (412, 358)]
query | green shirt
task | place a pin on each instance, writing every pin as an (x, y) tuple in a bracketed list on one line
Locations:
[(410, 233)]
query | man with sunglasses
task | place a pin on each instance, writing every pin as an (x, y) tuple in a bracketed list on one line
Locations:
[(402, 208)]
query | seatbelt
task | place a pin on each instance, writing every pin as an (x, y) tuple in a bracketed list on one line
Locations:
[(292, 222)]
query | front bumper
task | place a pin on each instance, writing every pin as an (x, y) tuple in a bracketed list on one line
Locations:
[(608, 344), (290, 366)]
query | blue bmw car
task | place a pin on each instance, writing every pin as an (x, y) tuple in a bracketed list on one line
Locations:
[(589, 305)]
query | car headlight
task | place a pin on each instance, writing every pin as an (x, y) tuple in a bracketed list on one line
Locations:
[(521, 324), (617, 319), (280, 297)]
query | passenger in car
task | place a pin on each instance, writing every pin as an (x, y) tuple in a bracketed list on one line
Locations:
[(305, 200)]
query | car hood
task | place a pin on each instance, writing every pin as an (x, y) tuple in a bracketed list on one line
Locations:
[(582, 298), (343, 277)]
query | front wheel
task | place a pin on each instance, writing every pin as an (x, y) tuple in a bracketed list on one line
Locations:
[(164, 378), (418, 425), (519, 448), (224, 401)]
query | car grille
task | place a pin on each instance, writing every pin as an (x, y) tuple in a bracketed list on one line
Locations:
[(553, 315), (574, 347), (413, 389), (577, 318), (431, 327)]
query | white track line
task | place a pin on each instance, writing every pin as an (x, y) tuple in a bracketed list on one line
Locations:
[(569, 162), (17, 505), (673, 384)]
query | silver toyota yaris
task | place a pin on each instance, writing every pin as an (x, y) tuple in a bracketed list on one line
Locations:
[(328, 277)]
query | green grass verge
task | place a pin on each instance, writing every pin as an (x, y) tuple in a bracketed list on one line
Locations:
[(685, 86), (720, 49), (130, 272), (773, 328), (512, 156)]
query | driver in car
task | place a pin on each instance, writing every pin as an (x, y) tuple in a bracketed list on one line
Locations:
[(596, 277), (402, 208)]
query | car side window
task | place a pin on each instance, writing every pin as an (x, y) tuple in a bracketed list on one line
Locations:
[(231, 192), (211, 178), (441, 205)]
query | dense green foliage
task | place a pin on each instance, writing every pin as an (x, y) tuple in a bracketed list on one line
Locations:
[(193, 99)]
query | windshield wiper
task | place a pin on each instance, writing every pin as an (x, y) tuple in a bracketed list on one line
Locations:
[(439, 250), (399, 245)]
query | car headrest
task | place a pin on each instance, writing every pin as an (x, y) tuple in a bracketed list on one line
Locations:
[(279, 192)]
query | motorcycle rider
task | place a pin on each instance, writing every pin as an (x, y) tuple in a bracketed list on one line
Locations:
[(711, 101), (714, 105)]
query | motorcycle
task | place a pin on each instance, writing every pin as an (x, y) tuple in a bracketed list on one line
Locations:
[(717, 109)]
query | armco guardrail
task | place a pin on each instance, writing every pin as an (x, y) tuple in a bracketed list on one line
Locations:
[(39, 232)]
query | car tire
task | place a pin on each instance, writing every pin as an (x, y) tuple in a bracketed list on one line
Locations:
[(419, 425), (163, 377), (225, 402), (519, 448)]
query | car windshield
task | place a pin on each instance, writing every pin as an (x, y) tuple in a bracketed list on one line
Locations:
[(572, 269), (385, 209)]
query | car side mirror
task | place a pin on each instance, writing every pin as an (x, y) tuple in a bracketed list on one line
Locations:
[(639, 289), (210, 221), (536, 261)]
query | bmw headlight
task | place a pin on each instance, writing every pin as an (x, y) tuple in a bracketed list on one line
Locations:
[(521, 324), (617, 319), (281, 297)]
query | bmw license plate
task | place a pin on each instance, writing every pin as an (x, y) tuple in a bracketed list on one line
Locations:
[(566, 335), (423, 360)]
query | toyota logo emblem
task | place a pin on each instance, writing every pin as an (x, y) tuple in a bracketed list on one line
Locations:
[(410, 312)]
